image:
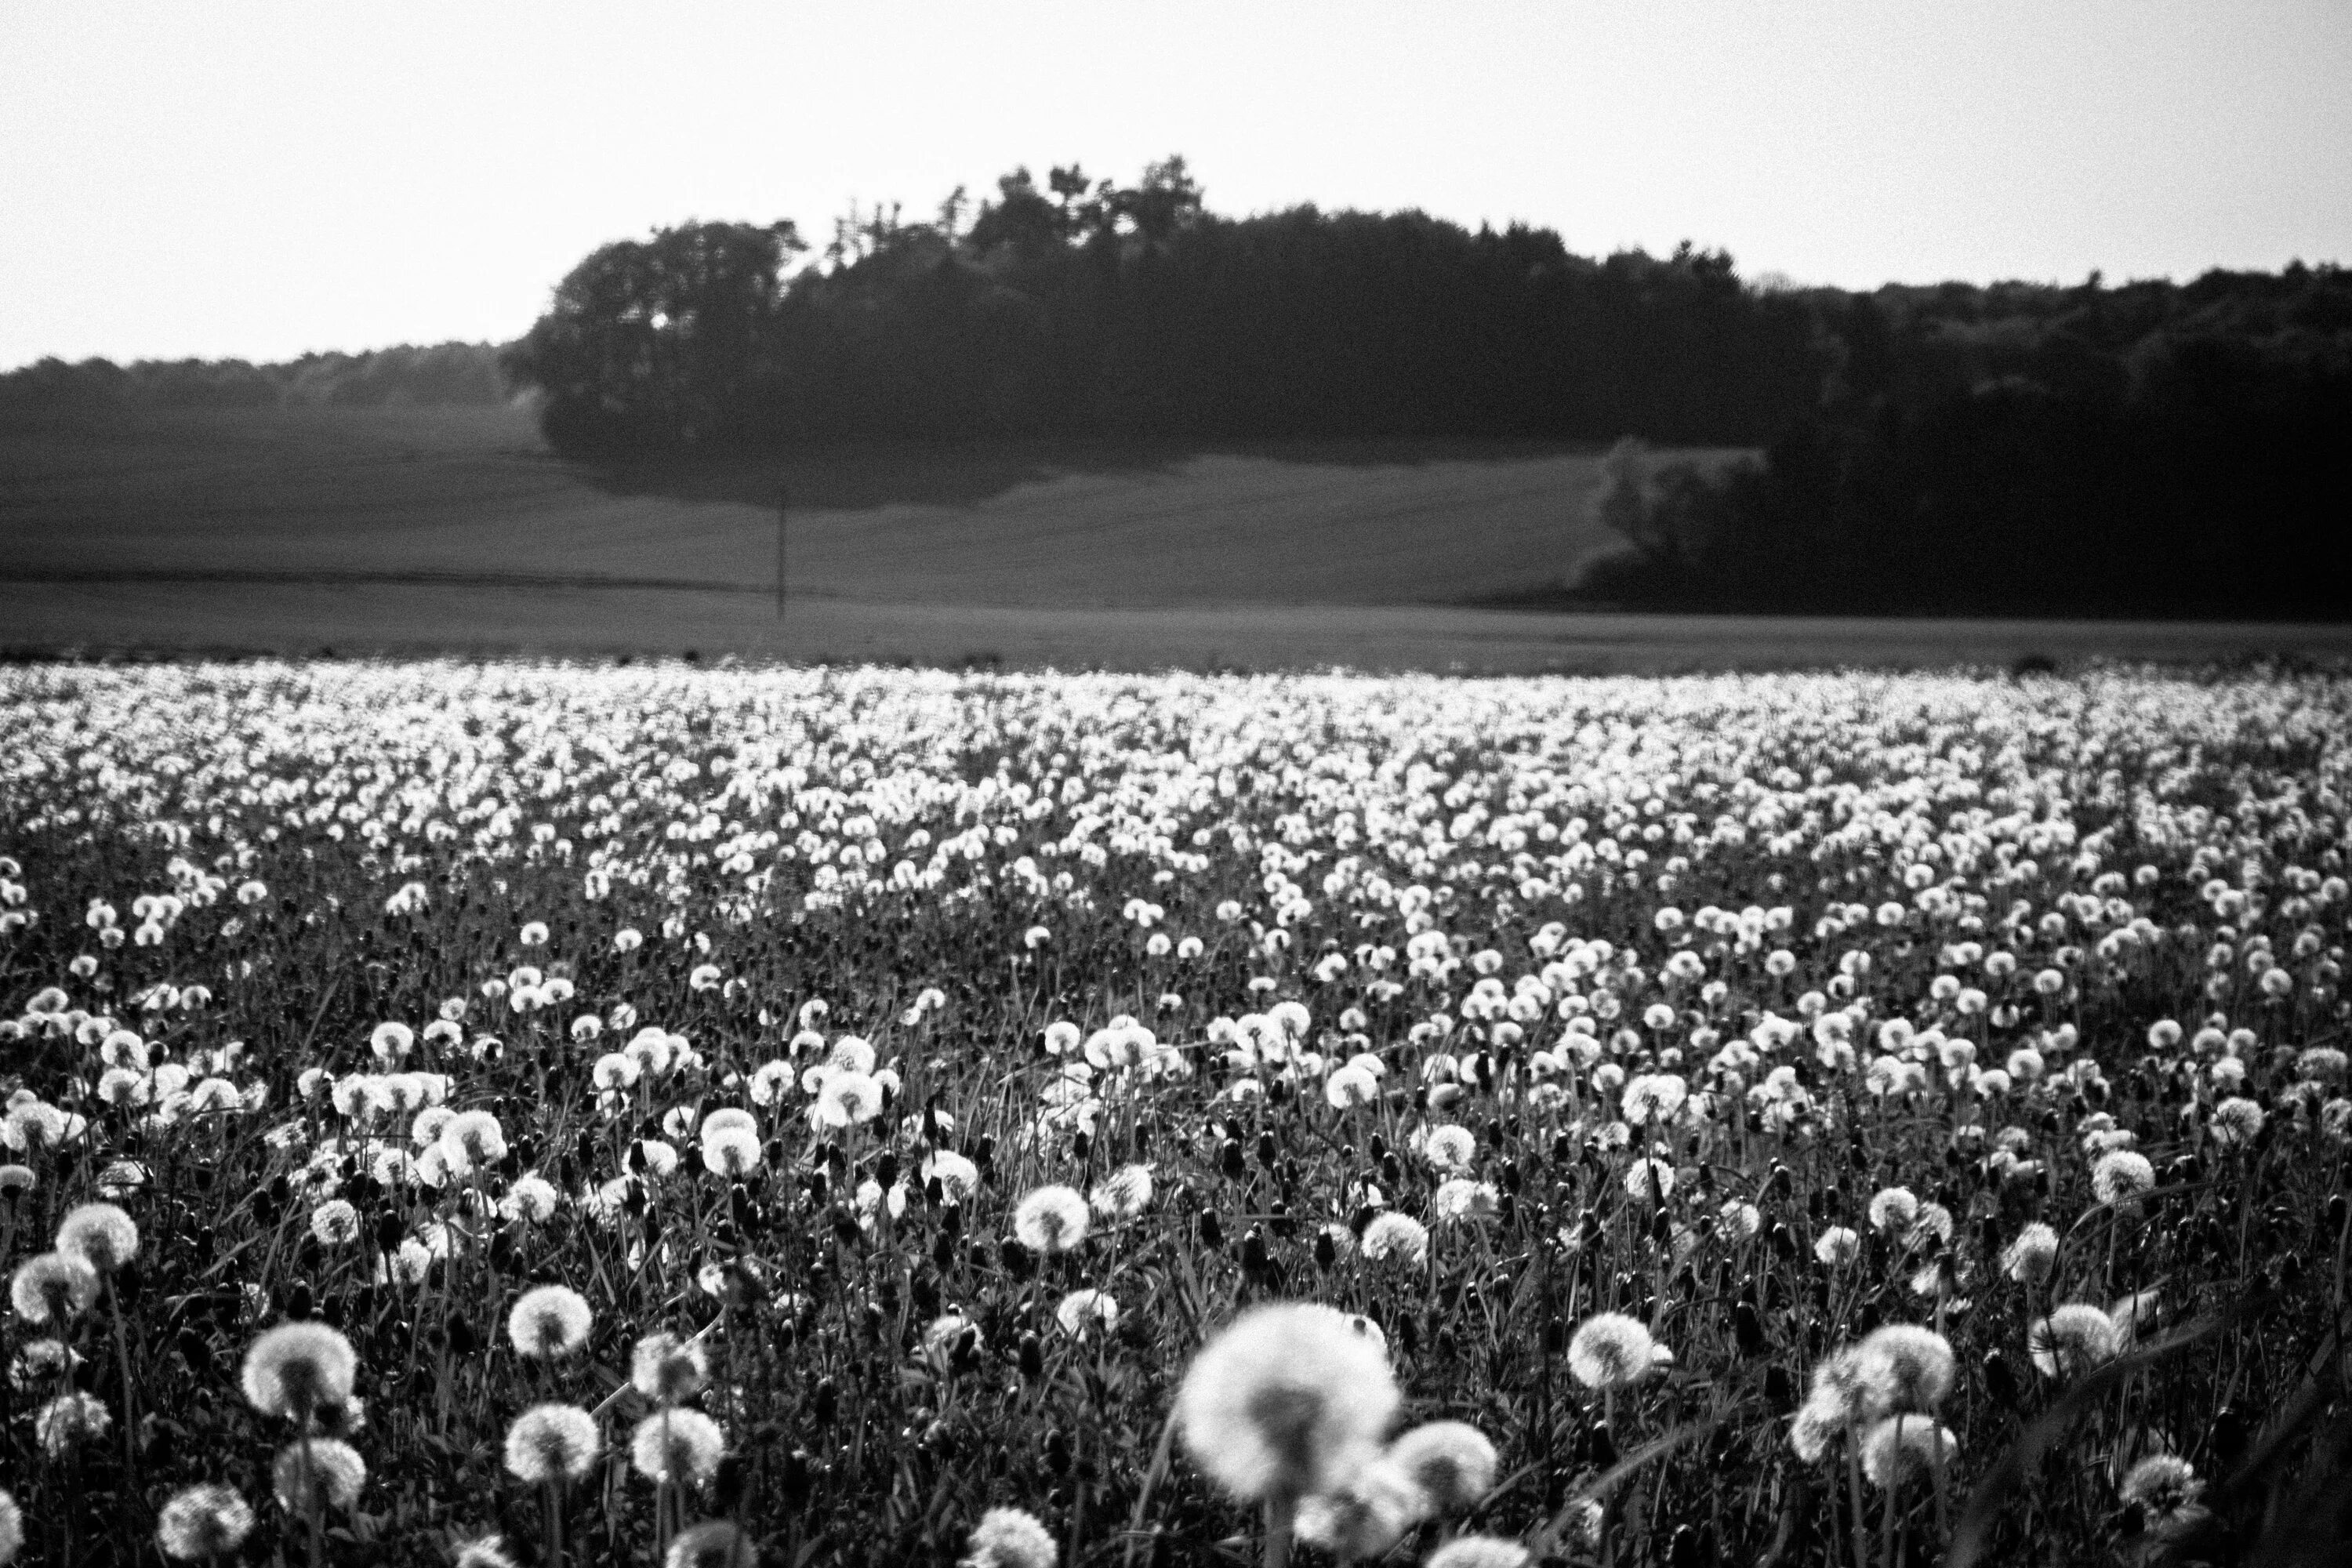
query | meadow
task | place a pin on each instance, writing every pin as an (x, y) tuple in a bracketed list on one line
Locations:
[(510, 1113), (428, 530)]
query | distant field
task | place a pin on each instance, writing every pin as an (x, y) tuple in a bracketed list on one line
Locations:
[(456, 529), (467, 492)]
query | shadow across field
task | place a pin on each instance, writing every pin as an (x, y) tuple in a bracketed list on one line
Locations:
[(867, 476)]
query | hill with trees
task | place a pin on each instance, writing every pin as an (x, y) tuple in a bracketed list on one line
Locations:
[(2151, 448)]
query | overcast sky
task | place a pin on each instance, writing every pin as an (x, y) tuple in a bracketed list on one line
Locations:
[(256, 180)]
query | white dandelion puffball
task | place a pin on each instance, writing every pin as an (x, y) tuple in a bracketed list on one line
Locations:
[(295, 1369), (2029, 1258), (101, 1234), (1837, 1246), (1894, 1209), (333, 1471), (1010, 1538), (548, 1321), (1124, 1194), (1610, 1350), (52, 1289), (1452, 1462), (1280, 1397), (1050, 1219), (1460, 1200), (1903, 1446), (2161, 1483), (553, 1442), (1479, 1551), (1364, 1510), (1083, 1312), (666, 1369), (2072, 1339), (1395, 1236), (1919, 1361), (681, 1447), (2121, 1176), (200, 1524)]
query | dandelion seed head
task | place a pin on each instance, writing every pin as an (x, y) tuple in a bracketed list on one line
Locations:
[(2030, 1258), (1610, 1350), (1364, 1512), (681, 1447), (2162, 1484), (548, 1321), (1478, 1551), (1050, 1219), (1083, 1312), (69, 1421), (101, 1234), (2072, 1339), (1279, 1396), (1009, 1538), (333, 1469), (1900, 1447), (200, 1523), (335, 1223), (1395, 1236), (1459, 1200), (1124, 1194), (2122, 1175), (1918, 1359), (551, 1443), (1894, 1209), (1452, 1462), (295, 1369), (667, 1370), (52, 1289), (1837, 1246), (714, 1543)]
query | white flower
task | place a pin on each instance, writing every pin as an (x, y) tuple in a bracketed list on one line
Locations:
[(1050, 1219), (1281, 1395)]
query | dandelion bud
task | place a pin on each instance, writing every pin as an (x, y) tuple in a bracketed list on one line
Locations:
[(202, 1523)]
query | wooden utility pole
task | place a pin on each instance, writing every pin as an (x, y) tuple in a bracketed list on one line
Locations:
[(783, 499)]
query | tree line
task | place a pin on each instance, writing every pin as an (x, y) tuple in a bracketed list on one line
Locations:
[(410, 376), (1084, 308), (2151, 448)]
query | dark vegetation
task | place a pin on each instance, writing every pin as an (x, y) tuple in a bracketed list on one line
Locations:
[(409, 376), (2151, 449)]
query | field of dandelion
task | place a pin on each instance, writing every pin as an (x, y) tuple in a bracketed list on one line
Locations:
[(530, 1113)]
